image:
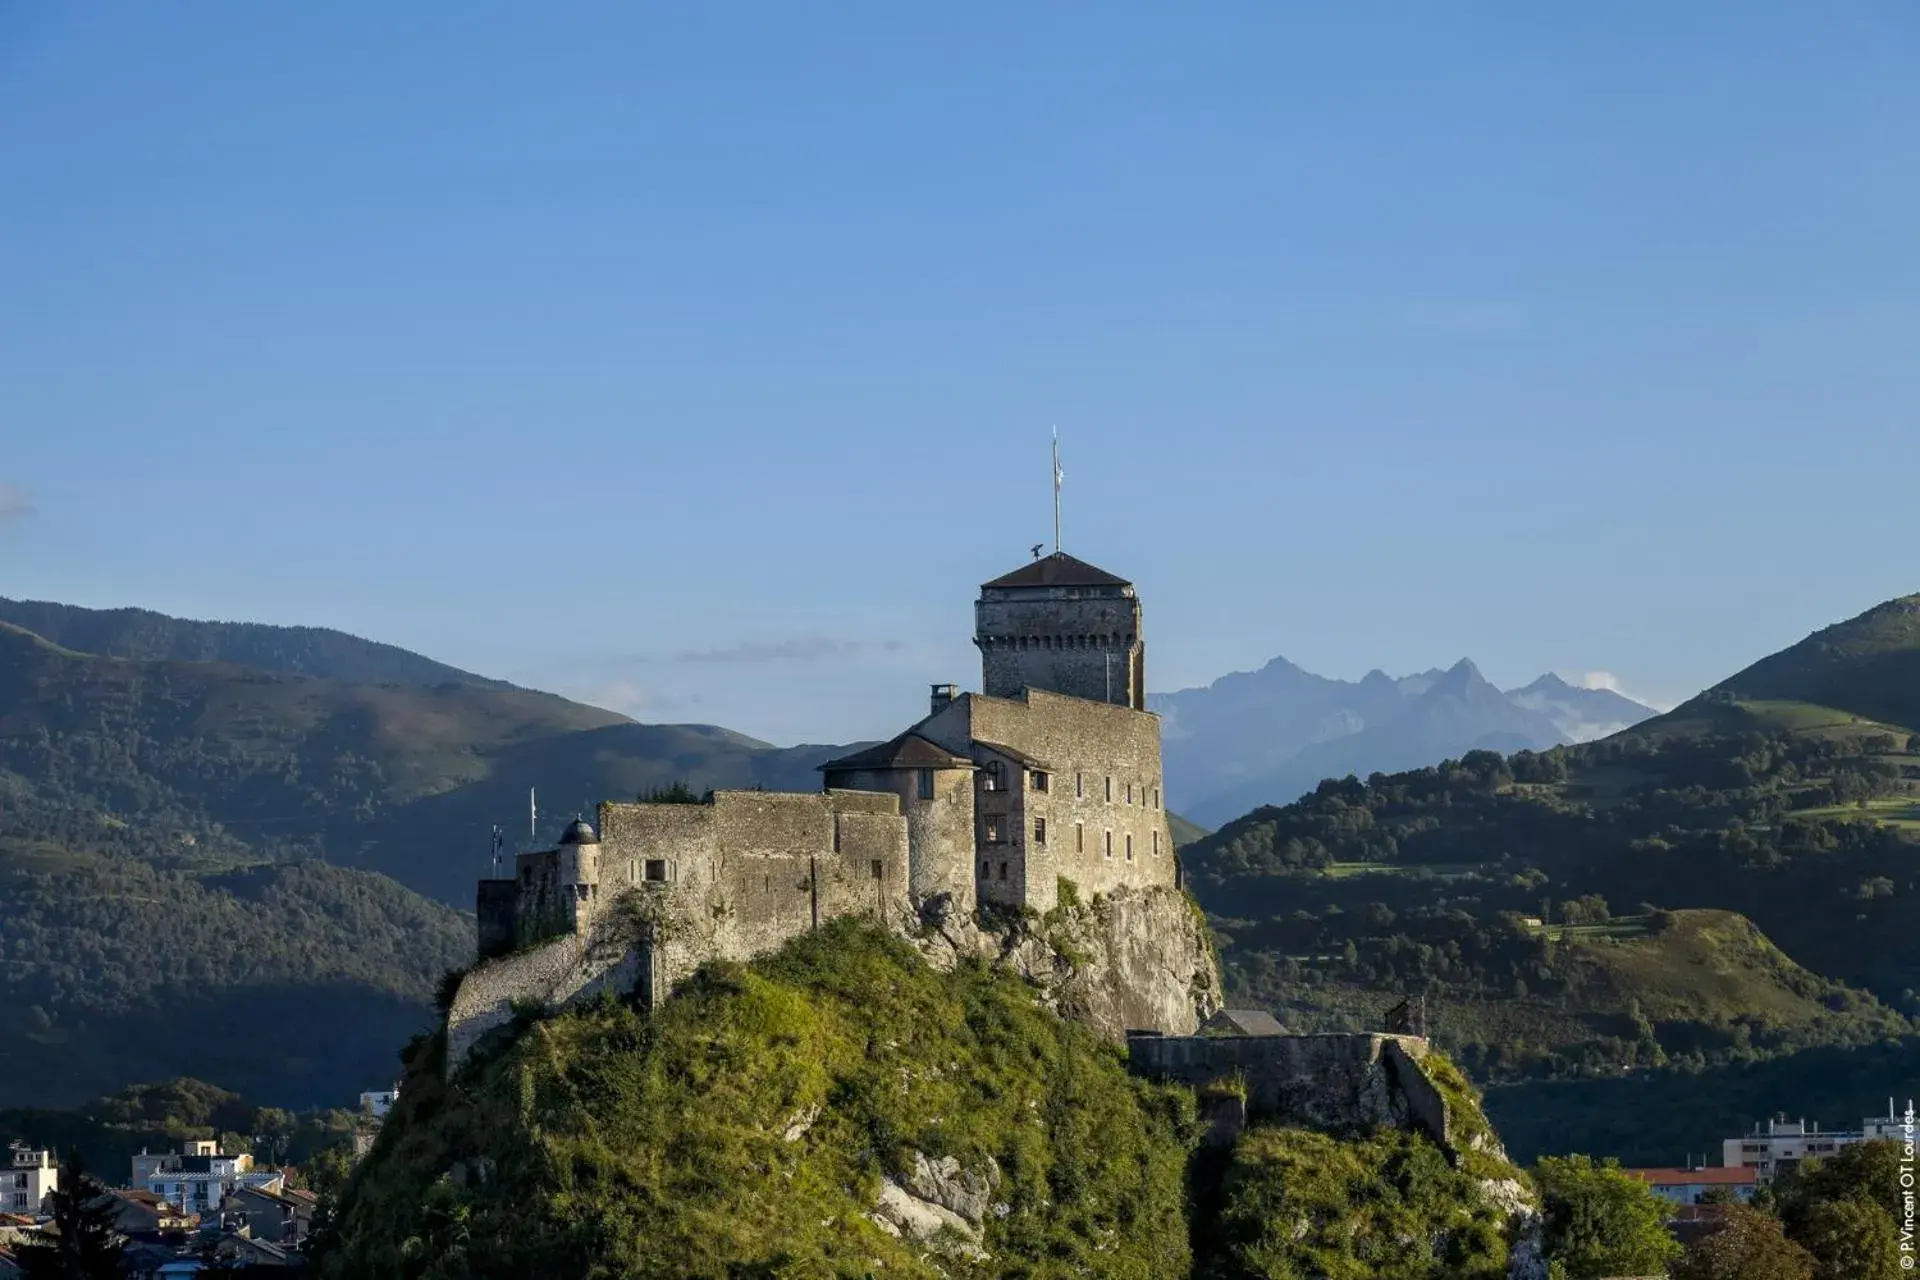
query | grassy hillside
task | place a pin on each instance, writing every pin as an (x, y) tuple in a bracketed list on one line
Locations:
[(1861, 672), (744, 1130), (404, 779), (1422, 882), (129, 953), (145, 636), (746, 1127), (1702, 987)]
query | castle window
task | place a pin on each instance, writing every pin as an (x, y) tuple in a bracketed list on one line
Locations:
[(1039, 830), (992, 776), (1109, 788), (1156, 844), (926, 784), (1079, 838), (879, 870), (1080, 785), (656, 869), (993, 830), (1003, 871), (1109, 844), (1037, 780), (1129, 846), (986, 870), (1156, 797), (1129, 793)]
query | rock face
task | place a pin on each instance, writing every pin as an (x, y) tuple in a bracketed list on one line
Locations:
[(939, 1204), (1138, 958)]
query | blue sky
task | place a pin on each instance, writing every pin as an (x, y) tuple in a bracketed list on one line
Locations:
[(700, 359)]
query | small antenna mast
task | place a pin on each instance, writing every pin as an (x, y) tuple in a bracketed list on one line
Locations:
[(533, 818), (499, 840), (1058, 476)]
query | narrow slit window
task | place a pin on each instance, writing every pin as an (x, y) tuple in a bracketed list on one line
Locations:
[(1039, 830), (1109, 844)]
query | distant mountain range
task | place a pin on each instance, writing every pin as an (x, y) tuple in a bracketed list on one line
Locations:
[(1268, 736)]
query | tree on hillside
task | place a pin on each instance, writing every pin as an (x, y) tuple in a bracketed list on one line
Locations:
[(1849, 1240), (1865, 1171), (1748, 1245), (85, 1245), (1843, 1209), (1600, 1222)]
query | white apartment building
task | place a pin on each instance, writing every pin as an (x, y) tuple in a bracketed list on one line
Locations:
[(1779, 1144), (200, 1178), (27, 1179)]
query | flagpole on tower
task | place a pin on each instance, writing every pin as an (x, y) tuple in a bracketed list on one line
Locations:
[(1057, 477)]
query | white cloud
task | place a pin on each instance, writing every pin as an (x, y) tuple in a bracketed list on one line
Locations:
[(14, 503)]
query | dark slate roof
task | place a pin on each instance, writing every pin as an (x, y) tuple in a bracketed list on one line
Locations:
[(1057, 570), (579, 831), (908, 751), (1244, 1022), (1018, 757)]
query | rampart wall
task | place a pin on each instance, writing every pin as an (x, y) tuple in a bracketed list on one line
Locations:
[(1335, 1081)]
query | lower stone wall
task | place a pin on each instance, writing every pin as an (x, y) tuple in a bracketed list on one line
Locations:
[(1425, 1106), (1330, 1082), (554, 974)]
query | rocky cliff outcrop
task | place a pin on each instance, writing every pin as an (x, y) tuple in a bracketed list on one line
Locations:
[(1139, 958)]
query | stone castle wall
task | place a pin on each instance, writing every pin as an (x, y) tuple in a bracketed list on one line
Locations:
[(1102, 799), (751, 869), (1335, 1081), (940, 828), (1081, 641), (676, 885)]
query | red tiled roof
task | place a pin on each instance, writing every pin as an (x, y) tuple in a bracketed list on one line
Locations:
[(1737, 1176)]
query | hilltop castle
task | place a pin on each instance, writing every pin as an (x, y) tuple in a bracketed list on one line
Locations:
[(1050, 774)]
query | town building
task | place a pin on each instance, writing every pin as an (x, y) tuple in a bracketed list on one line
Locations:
[(281, 1217), (30, 1176), (199, 1179), (142, 1213), (1690, 1186), (1778, 1144)]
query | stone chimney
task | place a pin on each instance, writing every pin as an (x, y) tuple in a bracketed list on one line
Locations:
[(943, 696)]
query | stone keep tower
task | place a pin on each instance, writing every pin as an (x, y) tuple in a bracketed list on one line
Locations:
[(1063, 626)]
